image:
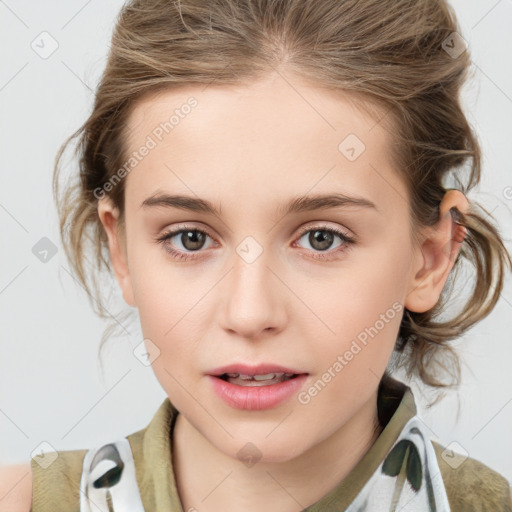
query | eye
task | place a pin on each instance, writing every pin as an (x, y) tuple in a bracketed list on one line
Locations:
[(191, 239), (321, 239)]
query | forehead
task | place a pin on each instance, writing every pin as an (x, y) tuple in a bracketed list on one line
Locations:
[(241, 141)]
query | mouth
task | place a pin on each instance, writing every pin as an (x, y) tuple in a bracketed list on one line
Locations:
[(268, 379), (252, 376), (256, 388)]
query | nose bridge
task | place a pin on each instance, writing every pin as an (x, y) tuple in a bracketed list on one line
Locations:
[(251, 271), (252, 301)]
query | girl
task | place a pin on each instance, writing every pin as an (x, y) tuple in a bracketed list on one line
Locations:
[(268, 181)]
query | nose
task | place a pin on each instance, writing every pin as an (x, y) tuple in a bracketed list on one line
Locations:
[(254, 298)]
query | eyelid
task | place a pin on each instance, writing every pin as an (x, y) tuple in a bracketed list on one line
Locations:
[(322, 225), (184, 226)]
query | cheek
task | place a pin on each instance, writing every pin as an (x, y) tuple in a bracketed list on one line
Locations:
[(363, 312), (361, 296), (157, 286), (170, 311)]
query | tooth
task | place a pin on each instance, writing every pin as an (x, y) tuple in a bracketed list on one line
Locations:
[(268, 376)]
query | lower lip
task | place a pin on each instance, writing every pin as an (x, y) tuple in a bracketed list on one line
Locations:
[(256, 398)]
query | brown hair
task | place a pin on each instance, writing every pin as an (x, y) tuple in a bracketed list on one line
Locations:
[(391, 54)]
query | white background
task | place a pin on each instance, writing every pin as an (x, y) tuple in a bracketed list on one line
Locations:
[(50, 384)]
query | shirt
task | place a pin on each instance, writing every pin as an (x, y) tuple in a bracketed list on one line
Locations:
[(403, 466)]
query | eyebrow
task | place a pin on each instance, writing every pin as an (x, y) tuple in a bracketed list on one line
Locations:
[(295, 205)]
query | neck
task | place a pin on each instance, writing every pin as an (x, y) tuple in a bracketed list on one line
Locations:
[(208, 480)]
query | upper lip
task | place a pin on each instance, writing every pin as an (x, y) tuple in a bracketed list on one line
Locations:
[(261, 369)]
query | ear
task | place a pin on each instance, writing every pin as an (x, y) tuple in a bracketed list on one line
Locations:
[(437, 254), (109, 217)]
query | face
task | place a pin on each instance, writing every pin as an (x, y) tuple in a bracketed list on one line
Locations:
[(319, 290)]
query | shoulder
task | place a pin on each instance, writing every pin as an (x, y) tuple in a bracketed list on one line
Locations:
[(57, 476), (471, 485), (56, 480), (16, 488)]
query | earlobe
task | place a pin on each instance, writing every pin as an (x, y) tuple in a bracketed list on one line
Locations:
[(109, 215), (437, 255)]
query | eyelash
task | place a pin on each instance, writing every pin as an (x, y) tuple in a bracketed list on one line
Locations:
[(348, 241)]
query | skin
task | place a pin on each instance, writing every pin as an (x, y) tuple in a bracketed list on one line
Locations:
[(250, 149)]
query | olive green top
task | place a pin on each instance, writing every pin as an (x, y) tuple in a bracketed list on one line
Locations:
[(470, 485)]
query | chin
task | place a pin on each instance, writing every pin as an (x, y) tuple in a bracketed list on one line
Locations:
[(273, 451)]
